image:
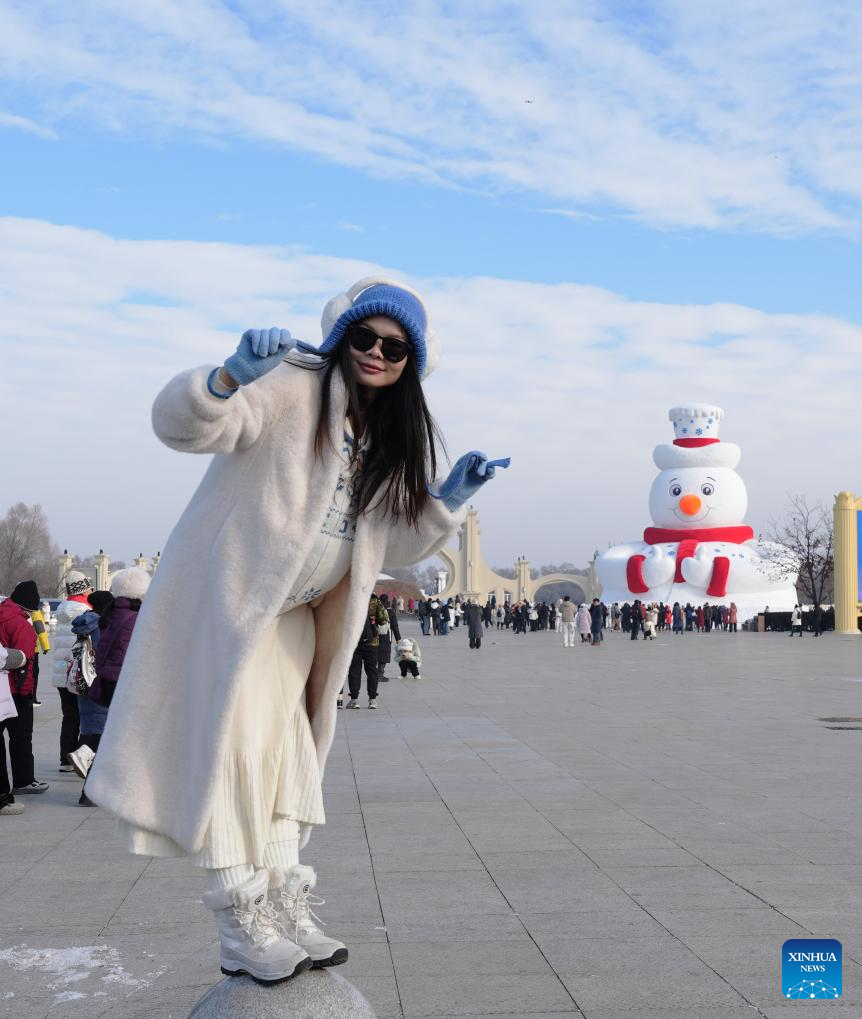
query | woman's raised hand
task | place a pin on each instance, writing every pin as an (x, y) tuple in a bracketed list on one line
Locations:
[(259, 351), (468, 475)]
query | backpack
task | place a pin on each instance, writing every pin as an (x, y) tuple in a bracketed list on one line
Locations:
[(81, 672)]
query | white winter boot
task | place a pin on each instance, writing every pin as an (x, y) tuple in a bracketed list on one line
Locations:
[(252, 939), (290, 893)]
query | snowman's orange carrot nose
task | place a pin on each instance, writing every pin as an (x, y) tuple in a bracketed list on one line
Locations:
[(690, 504)]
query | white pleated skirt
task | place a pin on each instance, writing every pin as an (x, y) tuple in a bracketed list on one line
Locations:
[(270, 780)]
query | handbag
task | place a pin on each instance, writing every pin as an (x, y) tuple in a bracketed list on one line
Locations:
[(81, 673)]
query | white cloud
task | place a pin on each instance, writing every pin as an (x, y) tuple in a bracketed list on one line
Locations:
[(573, 381), (17, 123), (745, 115), (354, 228)]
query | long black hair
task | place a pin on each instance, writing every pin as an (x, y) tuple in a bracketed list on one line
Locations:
[(401, 457)]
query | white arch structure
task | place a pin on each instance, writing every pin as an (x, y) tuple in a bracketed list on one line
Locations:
[(471, 577), (100, 573)]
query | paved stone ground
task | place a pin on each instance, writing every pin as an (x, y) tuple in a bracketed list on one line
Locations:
[(617, 833)]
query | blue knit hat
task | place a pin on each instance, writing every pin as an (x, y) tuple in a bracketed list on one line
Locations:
[(371, 297)]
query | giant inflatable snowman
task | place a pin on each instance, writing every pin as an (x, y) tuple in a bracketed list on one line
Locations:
[(699, 550)]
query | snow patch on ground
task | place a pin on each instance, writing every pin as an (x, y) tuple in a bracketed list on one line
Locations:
[(69, 966)]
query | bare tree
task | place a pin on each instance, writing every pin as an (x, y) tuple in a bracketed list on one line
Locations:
[(409, 574), (426, 579), (27, 551), (561, 568), (804, 541)]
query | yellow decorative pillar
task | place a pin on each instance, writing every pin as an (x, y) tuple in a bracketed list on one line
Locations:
[(141, 561), (595, 586), (471, 554), (524, 579), (845, 518), (66, 564), (102, 562)]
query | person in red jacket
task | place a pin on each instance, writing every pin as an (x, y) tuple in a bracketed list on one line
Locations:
[(16, 631)]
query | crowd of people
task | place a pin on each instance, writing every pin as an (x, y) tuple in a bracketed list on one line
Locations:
[(584, 623), (587, 620), (651, 618), (92, 634)]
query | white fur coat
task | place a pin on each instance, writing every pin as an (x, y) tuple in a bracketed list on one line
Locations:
[(225, 573)]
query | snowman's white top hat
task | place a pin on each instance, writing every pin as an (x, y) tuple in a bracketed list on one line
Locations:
[(696, 442)]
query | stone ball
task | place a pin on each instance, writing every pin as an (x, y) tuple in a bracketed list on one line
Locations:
[(316, 994)]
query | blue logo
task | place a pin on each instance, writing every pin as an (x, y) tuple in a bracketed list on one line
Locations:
[(811, 968)]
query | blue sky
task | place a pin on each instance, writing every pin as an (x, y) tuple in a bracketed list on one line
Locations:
[(154, 189), (612, 203)]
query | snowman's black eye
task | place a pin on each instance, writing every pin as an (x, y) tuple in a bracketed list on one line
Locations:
[(707, 489), (675, 490)]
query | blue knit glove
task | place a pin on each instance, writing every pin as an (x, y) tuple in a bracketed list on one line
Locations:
[(259, 351), (467, 477)]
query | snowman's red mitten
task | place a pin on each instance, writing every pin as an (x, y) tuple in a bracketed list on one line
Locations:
[(720, 572), (634, 574)]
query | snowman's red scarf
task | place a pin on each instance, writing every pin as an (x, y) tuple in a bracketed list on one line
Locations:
[(735, 535), (688, 540)]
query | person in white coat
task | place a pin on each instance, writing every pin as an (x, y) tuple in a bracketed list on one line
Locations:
[(218, 733), (78, 590), (583, 623), (567, 621)]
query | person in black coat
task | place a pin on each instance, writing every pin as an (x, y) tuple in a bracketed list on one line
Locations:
[(434, 612), (384, 648), (544, 615), (637, 619), (597, 622), (445, 618), (423, 612), (474, 624)]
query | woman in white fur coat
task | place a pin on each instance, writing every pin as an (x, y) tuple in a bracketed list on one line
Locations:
[(218, 735)]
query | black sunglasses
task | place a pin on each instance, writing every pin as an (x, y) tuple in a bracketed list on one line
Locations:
[(362, 338)]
